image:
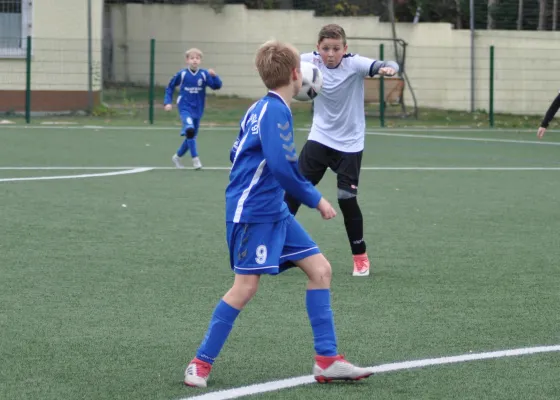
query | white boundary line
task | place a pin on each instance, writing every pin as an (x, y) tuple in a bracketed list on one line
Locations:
[(228, 168), (304, 380), (236, 127), (469, 139), (48, 178), (392, 132)]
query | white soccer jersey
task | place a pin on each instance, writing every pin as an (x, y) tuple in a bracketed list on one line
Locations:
[(338, 117)]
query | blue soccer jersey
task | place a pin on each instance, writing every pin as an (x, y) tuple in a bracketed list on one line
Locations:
[(265, 166), (192, 90)]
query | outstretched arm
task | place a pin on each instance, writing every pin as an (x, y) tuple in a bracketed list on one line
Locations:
[(370, 67), (385, 68), (550, 113)]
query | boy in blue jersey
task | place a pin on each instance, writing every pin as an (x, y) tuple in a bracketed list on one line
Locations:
[(263, 237), (192, 82)]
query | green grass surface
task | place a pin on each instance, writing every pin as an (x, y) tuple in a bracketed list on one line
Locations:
[(101, 301)]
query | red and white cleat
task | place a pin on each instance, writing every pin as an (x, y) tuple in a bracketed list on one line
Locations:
[(361, 265), (327, 369), (196, 374)]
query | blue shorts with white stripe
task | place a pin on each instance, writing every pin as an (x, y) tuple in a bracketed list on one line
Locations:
[(268, 248)]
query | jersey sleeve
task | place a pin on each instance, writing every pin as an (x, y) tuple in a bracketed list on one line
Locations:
[(213, 82), (363, 65), (276, 132), (369, 67), (551, 112), (173, 83)]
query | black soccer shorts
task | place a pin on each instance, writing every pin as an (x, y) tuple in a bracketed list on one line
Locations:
[(315, 158)]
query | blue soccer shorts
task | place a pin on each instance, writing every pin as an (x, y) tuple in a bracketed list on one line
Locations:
[(188, 123), (268, 248)]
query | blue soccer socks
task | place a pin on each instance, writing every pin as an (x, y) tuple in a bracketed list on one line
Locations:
[(218, 331), (192, 145), (184, 148), (318, 302)]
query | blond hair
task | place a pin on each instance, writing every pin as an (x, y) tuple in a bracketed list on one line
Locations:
[(193, 50), (332, 31), (275, 62)]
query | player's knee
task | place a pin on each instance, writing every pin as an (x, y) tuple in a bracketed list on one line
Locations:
[(322, 273), (325, 271), (190, 133), (243, 290), (344, 194)]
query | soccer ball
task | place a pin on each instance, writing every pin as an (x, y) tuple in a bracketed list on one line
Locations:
[(312, 82)]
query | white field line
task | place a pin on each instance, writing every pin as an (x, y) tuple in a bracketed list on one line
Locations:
[(304, 380), (84, 168), (81, 176), (394, 132)]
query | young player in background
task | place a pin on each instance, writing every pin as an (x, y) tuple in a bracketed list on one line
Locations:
[(192, 82), (550, 113), (262, 236), (336, 140)]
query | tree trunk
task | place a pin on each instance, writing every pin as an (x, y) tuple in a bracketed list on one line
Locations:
[(458, 23), (542, 15), (554, 14), (520, 15), (391, 9), (490, 22)]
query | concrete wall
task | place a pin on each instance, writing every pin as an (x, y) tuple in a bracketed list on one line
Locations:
[(437, 63), (59, 49)]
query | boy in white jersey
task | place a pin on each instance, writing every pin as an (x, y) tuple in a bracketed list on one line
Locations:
[(336, 140), (262, 236)]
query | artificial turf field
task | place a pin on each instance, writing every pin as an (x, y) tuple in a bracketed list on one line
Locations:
[(103, 301)]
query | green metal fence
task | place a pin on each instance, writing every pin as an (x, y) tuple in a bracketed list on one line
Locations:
[(129, 84)]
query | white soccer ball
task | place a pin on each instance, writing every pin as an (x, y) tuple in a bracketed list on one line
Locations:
[(312, 82)]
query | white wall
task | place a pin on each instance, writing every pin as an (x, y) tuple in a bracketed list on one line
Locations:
[(59, 48), (437, 64)]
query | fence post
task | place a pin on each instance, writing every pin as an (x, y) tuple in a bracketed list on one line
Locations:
[(152, 78), (381, 91), (491, 96), (89, 60), (28, 82)]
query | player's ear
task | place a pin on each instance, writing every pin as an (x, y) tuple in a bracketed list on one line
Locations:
[(345, 48), (294, 74)]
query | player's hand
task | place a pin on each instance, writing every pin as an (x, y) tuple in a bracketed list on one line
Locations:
[(168, 107), (541, 132), (212, 72), (387, 71), (327, 211)]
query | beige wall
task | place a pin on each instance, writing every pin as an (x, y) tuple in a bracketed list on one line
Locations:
[(59, 56), (437, 64)]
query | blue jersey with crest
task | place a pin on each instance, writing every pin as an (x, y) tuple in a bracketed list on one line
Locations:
[(192, 90), (265, 166)]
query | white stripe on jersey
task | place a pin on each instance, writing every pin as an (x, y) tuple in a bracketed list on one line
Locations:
[(256, 177), (258, 172), (181, 84)]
